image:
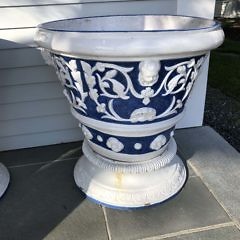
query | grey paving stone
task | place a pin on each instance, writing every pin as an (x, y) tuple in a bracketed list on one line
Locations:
[(43, 200), (85, 222), (194, 207), (226, 233), (191, 172), (41, 154), (217, 162)]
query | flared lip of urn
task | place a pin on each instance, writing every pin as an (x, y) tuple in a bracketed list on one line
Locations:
[(124, 36)]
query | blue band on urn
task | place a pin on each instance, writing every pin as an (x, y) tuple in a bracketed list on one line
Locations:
[(127, 92), (129, 145)]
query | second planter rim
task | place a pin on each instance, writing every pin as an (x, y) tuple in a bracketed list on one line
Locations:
[(128, 36)]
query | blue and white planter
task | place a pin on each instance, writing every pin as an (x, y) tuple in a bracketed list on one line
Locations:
[(127, 79)]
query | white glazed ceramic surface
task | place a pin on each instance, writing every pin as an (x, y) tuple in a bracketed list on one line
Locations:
[(109, 37), (127, 79)]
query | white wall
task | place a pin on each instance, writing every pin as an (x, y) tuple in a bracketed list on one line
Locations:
[(33, 110), (195, 105)]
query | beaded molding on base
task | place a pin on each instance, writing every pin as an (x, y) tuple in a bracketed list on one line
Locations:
[(133, 167)]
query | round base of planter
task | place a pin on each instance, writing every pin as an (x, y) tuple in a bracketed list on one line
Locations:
[(130, 185), (4, 179)]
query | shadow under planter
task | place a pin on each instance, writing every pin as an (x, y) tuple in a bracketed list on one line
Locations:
[(39, 198)]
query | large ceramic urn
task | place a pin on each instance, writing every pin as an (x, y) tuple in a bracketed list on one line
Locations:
[(127, 79)]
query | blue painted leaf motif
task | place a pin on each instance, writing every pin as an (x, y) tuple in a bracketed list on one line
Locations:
[(118, 88), (173, 83), (88, 74), (110, 74), (93, 93), (72, 65), (191, 63), (86, 68), (182, 81), (100, 67), (76, 76), (105, 84), (80, 103)]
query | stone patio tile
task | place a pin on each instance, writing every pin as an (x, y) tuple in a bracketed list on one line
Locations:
[(191, 172), (43, 200), (194, 207), (41, 154), (216, 162), (225, 233), (85, 222)]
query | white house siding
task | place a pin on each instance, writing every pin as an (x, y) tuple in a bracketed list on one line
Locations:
[(195, 106), (33, 110)]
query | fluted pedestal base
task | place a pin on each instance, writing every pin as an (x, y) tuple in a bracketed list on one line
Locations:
[(130, 185), (4, 179)]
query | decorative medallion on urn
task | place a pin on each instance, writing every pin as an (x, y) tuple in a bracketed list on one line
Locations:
[(148, 72), (128, 85)]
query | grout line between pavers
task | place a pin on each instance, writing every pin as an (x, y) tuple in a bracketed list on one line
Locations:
[(189, 231), (198, 173), (193, 176), (40, 163), (106, 223)]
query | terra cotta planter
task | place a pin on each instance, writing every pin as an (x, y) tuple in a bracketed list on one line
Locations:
[(127, 79)]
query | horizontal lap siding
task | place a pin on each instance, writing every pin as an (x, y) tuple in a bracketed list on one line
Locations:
[(38, 139), (33, 110), (29, 92), (25, 17), (22, 3), (27, 75), (20, 57), (36, 125)]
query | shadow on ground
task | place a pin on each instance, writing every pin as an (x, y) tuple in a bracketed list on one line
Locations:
[(38, 199)]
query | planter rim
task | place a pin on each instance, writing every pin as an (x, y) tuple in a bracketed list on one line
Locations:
[(120, 43), (47, 26)]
